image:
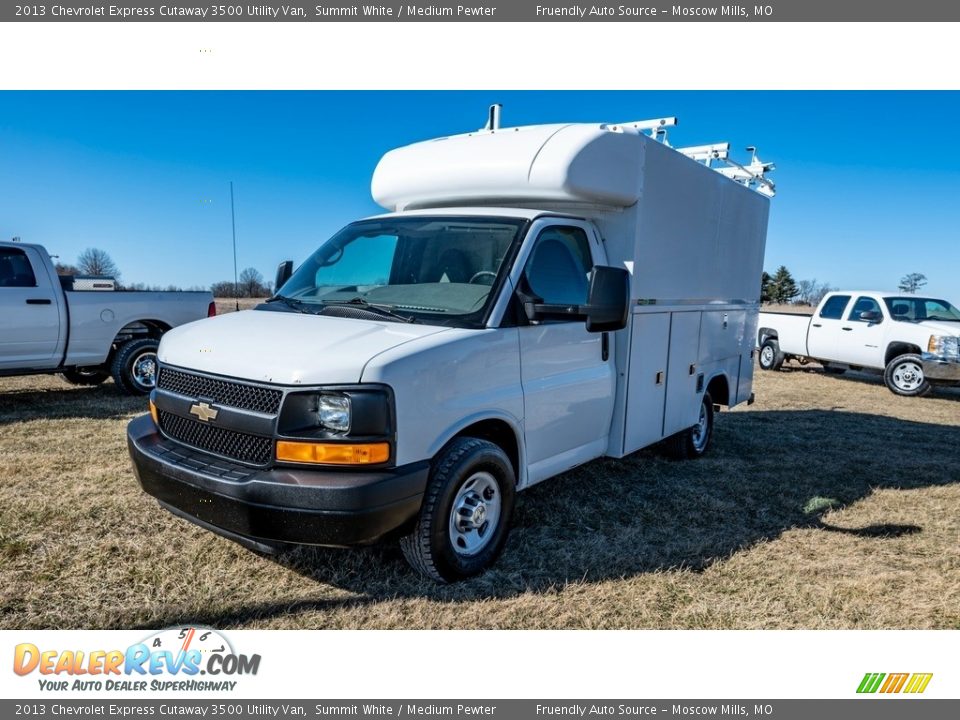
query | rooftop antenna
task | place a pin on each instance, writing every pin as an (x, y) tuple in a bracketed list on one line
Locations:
[(493, 117), (233, 226)]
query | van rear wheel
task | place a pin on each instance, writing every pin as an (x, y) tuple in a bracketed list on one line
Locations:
[(465, 517), (695, 441)]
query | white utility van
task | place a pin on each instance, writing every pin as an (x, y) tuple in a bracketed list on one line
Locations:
[(536, 297)]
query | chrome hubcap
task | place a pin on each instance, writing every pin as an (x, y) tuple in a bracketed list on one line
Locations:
[(475, 514), (908, 376), (145, 369), (767, 355), (700, 429)]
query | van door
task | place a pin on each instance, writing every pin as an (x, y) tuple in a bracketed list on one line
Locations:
[(567, 373), (29, 314), (823, 337)]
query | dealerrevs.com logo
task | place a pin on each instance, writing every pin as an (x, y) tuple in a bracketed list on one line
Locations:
[(910, 683), (172, 659)]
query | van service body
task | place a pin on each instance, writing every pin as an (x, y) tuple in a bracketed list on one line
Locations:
[(535, 298)]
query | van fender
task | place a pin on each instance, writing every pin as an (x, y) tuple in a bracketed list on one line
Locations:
[(515, 425)]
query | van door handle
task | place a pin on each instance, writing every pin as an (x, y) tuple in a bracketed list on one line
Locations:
[(817, 325), (847, 329), (605, 346), (39, 301)]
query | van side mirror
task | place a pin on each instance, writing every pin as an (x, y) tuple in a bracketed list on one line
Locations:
[(871, 316), (607, 308), (608, 302), (284, 271)]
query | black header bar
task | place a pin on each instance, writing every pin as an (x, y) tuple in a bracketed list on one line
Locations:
[(487, 10)]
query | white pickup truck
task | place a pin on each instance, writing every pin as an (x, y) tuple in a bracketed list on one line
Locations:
[(913, 340), (83, 335), (536, 297)]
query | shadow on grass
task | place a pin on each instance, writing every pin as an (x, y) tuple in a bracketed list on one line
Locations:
[(768, 472), (101, 402)]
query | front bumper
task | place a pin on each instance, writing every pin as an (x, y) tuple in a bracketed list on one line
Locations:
[(938, 368), (267, 507)]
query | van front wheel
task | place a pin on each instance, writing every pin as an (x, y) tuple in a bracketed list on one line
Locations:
[(465, 517)]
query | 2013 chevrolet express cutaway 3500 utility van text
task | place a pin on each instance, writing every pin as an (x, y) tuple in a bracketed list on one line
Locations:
[(536, 297)]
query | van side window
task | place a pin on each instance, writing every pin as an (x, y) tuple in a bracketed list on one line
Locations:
[(559, 266), (15, 270), (862, 305), (833, 308)]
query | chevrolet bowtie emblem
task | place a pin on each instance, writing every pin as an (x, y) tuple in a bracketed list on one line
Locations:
[(204, 412)]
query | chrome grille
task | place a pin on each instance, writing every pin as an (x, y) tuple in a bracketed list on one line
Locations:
[(221, 392), (251, 449)]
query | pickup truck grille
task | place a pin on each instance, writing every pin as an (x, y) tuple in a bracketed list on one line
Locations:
[(221, 392), (251, 449)]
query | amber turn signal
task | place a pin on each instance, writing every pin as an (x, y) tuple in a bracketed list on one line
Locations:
[(332, 453), (153, 414)]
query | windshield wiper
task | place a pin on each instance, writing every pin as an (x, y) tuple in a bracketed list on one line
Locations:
[(384, 310), (298, 305)]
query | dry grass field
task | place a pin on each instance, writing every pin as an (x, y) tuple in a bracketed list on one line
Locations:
[(830, 503)]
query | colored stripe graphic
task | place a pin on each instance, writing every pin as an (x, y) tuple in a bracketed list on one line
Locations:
[(918, 683), (870, 682), (894, 682)]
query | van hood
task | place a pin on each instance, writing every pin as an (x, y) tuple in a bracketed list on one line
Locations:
[(285, 348)]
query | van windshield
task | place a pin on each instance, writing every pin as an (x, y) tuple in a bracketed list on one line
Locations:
[(918, 309), (439, 270)]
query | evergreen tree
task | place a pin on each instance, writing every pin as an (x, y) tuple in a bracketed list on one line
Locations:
[(783, 288), (765, 287)]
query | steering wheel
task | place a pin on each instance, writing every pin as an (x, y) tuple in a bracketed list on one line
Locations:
[(481, 274)]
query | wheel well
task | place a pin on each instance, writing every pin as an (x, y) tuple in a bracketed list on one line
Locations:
[(140, 329), (719, 390), (499, 433), (899, 348), (764, 334)]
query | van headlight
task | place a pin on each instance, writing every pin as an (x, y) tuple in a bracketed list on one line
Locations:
[(945, 346), (334, 411)]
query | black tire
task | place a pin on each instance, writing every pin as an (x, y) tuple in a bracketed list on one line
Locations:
[(904, 376), (431, 549), (834, 369), (130, 366), (85, 376), (770, 356), (694, 442)]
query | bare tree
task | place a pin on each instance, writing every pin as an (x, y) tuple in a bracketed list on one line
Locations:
[(65, 269), (94, 261), (812, 292), (251, 284), (912, 282)]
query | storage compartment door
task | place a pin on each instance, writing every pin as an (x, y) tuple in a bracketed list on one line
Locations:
[(646, 387), (683, 401)]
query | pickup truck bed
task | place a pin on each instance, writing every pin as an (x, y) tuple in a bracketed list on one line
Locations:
[(85, 336)]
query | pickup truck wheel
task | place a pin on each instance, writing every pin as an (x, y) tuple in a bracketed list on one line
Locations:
[(465, 517), (85, 376), (694, 442), (134, 367), (770, 356), (904, 376)]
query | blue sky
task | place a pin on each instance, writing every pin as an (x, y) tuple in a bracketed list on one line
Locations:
[(869, 187)]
